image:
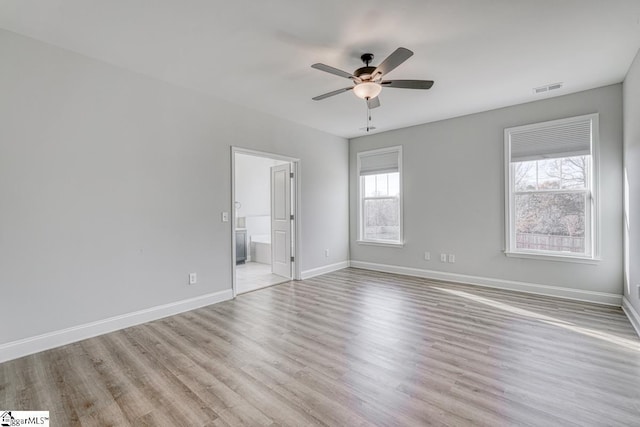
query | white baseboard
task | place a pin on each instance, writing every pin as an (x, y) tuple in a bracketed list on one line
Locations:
[(307, 274), (532, 288), (632, 314), (24, 347)]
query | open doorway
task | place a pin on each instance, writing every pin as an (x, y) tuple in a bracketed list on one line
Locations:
[(264, 188)]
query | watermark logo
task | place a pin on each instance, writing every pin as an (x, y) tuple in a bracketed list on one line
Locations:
[(24, 418)]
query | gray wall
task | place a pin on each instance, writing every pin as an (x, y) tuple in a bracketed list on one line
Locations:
[(632, 170), (454, 194), (112, 185)]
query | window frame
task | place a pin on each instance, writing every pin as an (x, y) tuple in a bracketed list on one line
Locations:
[(592, 205), (361, 198)]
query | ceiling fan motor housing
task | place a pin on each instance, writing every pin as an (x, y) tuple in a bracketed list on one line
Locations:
[(364, 72)]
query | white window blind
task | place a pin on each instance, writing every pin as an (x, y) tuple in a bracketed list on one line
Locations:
[(552, 141), (376, 163)]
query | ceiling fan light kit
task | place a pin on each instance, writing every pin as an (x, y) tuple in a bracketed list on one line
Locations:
[(367, 90), (369, 80)]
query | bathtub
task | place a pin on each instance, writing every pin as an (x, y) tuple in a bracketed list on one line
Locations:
[(261, 248)]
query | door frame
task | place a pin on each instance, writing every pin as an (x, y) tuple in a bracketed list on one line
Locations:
[(295, 205)]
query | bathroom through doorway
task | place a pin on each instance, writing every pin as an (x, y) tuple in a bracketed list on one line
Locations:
[(264, 204)]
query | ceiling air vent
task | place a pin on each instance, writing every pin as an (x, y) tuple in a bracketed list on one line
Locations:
[(547, 88)]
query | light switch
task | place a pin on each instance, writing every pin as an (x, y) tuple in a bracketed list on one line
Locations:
[(225, 216)]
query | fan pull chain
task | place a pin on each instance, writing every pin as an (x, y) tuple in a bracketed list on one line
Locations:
[(366, 120), (368, 126)]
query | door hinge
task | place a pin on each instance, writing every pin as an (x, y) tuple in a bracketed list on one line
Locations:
[(293, 259), (292, 217), (290, 174)]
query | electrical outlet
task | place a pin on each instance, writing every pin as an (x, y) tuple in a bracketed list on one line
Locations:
[(427, 256), (443, 257), (193, 278), (452, 258), (326, 253)]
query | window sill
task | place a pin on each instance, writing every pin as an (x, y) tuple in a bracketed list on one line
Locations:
[(377, 243), (549, 257)]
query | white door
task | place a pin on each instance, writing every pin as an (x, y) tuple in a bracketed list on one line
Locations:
[(281, 220)]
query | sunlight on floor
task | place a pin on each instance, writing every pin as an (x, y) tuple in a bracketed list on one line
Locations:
[(624, 342)]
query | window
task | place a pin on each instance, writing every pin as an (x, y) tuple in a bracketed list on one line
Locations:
[(380, 196), (551, 198)]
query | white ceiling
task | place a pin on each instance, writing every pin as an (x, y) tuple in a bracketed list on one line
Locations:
[(482, 54)]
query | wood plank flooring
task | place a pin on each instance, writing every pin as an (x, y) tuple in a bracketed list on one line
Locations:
[(351, 348)]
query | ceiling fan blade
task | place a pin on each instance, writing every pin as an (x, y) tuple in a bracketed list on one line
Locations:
[(373, 103), (408, 84), (332, 70), (398, 56), (335, 92)]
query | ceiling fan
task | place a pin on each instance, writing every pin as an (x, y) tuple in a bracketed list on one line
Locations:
[(369, 80)]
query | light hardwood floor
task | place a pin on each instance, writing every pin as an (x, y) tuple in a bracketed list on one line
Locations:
[(351, 348)]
